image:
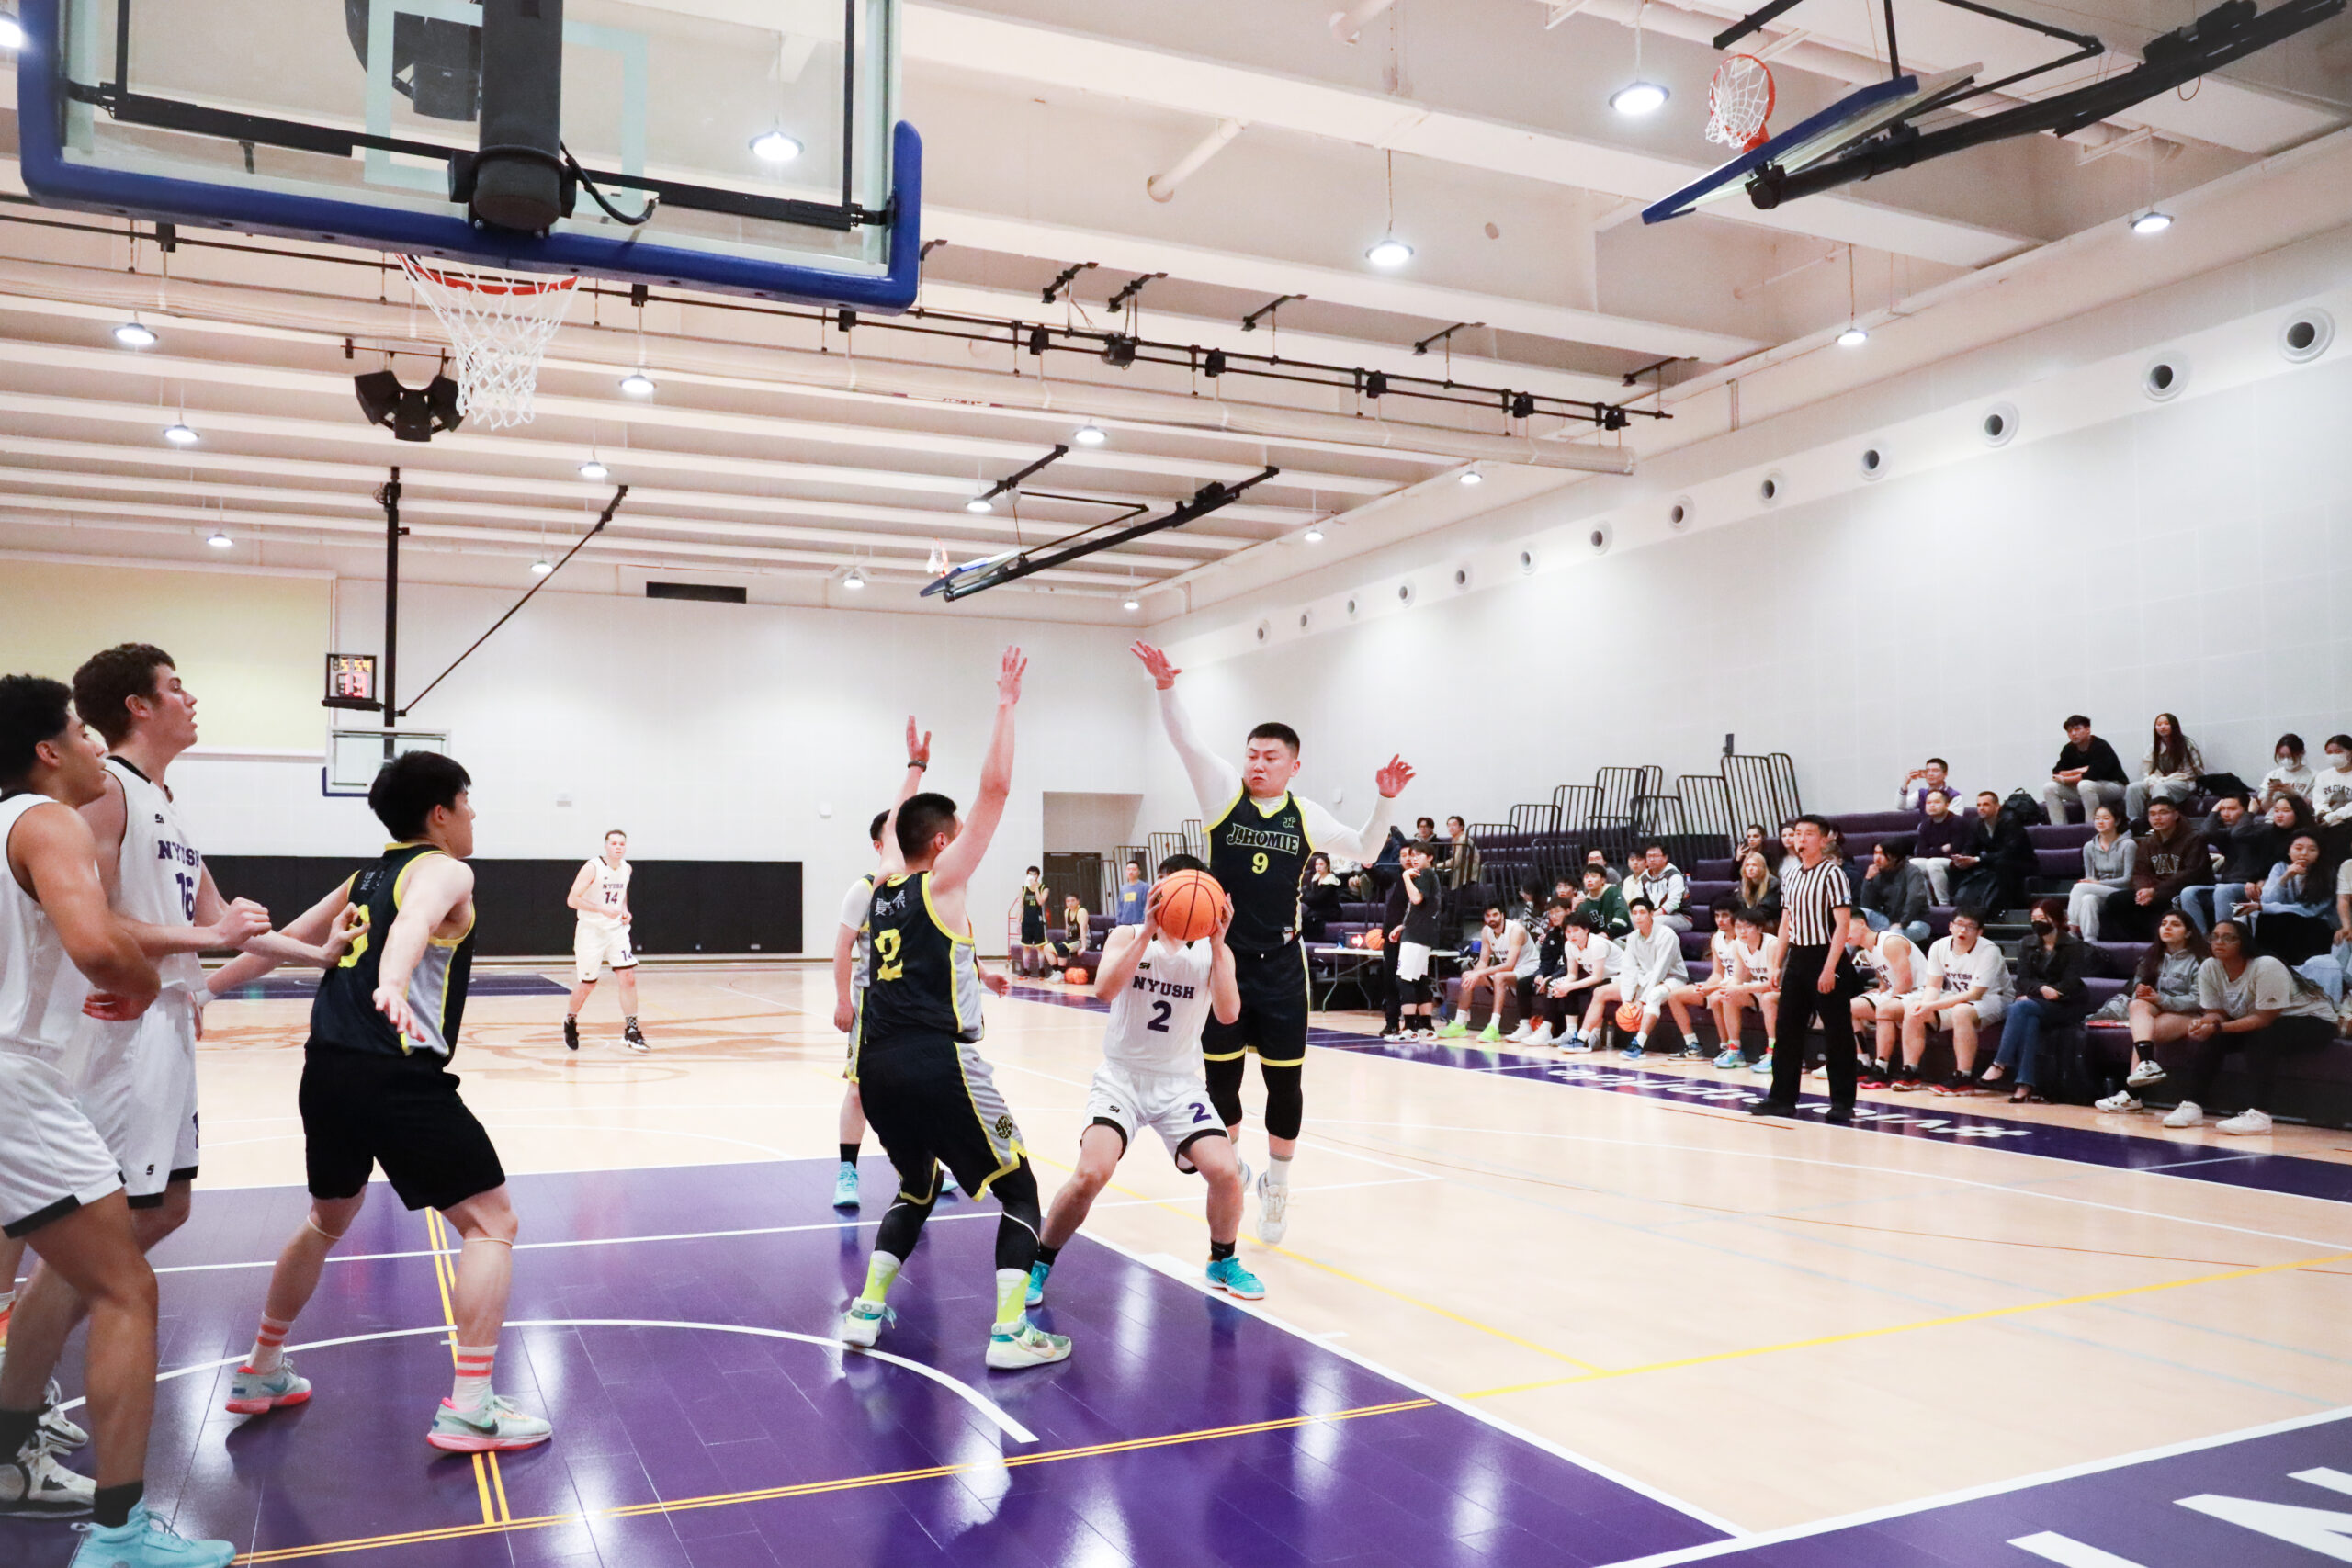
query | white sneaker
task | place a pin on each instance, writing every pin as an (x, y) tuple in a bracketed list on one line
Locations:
[(1517, 1037), (1012, 1348), (1543, 1035), (2144, 1072), (2188, 1114), (34, 1486), (1274, 1211), (58, 1434), (2121, 1100), (2245, 1122), (862, 1324)]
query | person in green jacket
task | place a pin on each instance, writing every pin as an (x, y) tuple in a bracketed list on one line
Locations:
[(1606, 902)]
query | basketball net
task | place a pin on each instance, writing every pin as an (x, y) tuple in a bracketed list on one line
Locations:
[(1739, 100), (499, 324)]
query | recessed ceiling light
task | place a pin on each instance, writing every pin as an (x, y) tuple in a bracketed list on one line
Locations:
[(1638, 98), (1388, 250), (181, 435), (592, 470), (637, 384), (12, 33), (1852, 337), (1473, 477), (774, 147), (220, 540), (2151, 223), (1313, 535), (133, 334), (541, 567), (1090, 435)]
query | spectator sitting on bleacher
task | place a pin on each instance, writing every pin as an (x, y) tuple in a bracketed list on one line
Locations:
[(1504, 948), (2167, 859), (2244, 847), (1758, 888), (2107, 858), (1416, 938), (2249, 1002), (1552, 962), (1942, 834), (1966, 991), (1318, 899), (1994, 870), (1529, 910), (2290, 773), (2332, 791), (1932, 774), (1755, 838), (2332, 970), (1894, 892), (2161, 1004), (2052, 965), (1605, 902), (1663, 884), (1461, 864), (1074, 932), (1895, 966), (1757, 954), (2297, 912), (2169, 770), (1131, 893), (1630, 884), (1789, 861), (1652, 967), (2088, 774), (1593, 962), (1723, 973)]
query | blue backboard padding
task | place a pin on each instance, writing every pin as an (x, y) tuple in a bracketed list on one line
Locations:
[(1848, 107), (55, 182)]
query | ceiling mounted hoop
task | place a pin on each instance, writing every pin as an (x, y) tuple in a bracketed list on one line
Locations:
[(1739, 103), (499, 326)]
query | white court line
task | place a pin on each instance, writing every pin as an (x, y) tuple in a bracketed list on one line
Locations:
[(1973, 1493), (2067, 1552), (962, 1390)]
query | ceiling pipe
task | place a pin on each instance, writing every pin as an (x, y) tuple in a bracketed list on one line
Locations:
[(1347, 25), (1162, 187)]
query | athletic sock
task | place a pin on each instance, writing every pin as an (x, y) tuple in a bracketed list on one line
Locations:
[(1045, 1255), (1692, 1041), (849, 1154), (16, 1429), (1219, 1251), (8, 1305), (1277, 1170), (629, 1022), (881, 1271), (1011, 1299), (269, 1345), (111, 1506), (471, 1389)]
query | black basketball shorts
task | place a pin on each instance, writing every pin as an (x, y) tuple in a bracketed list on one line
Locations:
[(933, 1101), (361, 1108), (1273, 1011)]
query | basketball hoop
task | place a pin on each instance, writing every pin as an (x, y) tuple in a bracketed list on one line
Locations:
[(1739, 100), (499, 324)]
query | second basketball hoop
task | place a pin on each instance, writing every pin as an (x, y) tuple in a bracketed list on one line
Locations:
[(1739, 103)]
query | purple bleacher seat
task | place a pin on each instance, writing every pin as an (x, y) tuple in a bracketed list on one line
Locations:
[(2065, 863), (2059, 836), (1940, 920), (1700, 896), (1860, 827), (1694, 943), (1718, 870)]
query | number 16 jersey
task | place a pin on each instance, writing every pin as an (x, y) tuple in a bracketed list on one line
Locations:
[(1156, 1022)]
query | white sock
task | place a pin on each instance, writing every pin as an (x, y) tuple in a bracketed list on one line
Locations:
[(472, 1389), (1692, 1041), (1277, 1170), (269, 1345)]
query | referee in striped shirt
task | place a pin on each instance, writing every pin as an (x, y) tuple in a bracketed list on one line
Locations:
[(1817, 976)]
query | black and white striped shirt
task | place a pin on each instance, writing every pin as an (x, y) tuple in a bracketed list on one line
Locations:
[(1810, 899)]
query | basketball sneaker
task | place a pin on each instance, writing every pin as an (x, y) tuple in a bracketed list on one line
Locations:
[(845, 1187), (1519, 1037), (2246, 1122), (570, 1033), (1017, 1345), (1274, 1211), (1037, 1272), (2121, 1100), (492, 1426), (58, 1434), (1491, 1035), (1227, 1274), (1454, 1030), (2188, 1114), (34, 1486), (863, 1324), (634, 1038), (2144, 1072), (1763, 1065), (947, 1188), (145, 1541), (257, 1393), (1541, 1037), (1633, 1051), (1731, 1058)]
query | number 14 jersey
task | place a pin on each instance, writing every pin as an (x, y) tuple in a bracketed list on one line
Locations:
[(1156, 1022)]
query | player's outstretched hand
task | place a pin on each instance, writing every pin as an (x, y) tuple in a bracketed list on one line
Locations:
[(1225, 916), (918, 744), (239, 924), (1150, 915), (1163, 672), (395, 1009), (1008, 677), (1393, 778), (994, 979)]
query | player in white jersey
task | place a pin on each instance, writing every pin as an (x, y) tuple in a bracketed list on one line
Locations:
[(600, 895), (1757, 983), (58, 1184), (851, 947), (1161, 993)]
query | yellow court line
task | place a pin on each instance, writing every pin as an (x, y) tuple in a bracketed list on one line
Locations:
[(445, 1273), (1956, 1318), (845, 1484)]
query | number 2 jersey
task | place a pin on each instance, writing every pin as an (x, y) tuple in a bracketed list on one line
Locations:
[(344, 1015), (922, 980), (1156, 1022)]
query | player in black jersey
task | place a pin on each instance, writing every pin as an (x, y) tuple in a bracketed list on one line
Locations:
[(376, 1089), (1259, 838), (928, 1092)]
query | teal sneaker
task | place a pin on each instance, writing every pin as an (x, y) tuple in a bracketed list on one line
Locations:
[(947, 1188), (1454, 1030), (1763, 1067), (1227, 1274), (492, 1426), (1732, 1059), (257, 1393), (845, 1187), (145, 1541), (1014, 1346), (1037, 1272)]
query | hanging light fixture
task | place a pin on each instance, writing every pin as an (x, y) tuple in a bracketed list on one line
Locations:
[(1853, 336), (592, 470), (541, 567), (1089, 434), (2151, 223), (219, 539), (773, 146), (854, 580), (1388, 252), (181, 435), (1639, 96), (134, 334)]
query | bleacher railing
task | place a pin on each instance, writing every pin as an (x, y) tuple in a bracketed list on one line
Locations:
[(1763, 789)]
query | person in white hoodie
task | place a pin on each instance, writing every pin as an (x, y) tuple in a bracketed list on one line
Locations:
[(1651, 967), (2332, 785)]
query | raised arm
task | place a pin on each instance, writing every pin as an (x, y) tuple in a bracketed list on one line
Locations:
[(1215, 781), (894, 859), (438, 886), (952, 870), (53, 856), (1326, 832)]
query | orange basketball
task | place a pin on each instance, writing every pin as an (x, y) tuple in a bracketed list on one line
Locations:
[(1629, 1016), (1376, 939), (1190, 904), (1074, 976)]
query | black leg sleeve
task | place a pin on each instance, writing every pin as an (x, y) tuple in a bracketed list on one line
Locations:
[(1017, 1231), (1285, 1100), (903, 1226), (1224, 1090)]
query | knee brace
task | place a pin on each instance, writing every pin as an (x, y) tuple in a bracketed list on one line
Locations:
[(1224, 1090), (1285, 1100)]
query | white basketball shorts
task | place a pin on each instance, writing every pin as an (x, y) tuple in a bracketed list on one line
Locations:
[(1989, 1010), (1412, 961), (137, 1082), (1174, 1105), (593, 946), (51, 1160)]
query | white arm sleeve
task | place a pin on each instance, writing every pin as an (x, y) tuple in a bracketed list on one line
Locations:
[(857, 902), (1215, 781), (1327, 833)]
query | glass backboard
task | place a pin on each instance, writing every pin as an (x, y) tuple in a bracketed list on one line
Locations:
[(765, 128)]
